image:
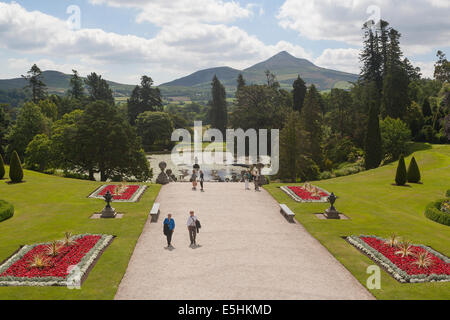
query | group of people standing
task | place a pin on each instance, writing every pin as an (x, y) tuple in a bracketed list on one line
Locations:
[(193, 226), (252, 175), (198, 177)]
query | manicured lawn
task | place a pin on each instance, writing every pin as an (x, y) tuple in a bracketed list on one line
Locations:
[(376, 207), (46, 207)]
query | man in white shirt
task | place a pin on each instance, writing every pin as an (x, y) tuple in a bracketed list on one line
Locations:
[(192, 228)]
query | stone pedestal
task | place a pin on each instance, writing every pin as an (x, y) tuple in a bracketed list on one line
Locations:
[(108, 213), (332, 214)]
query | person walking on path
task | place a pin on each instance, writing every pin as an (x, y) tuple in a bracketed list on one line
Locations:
[(256, 179), (247, 179), (192, 225), (202, 180), (194, 180), (169, 228)]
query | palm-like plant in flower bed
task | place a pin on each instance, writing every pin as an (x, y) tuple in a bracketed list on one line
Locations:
[(405, 249), (68, 239), (53, 249), (423, 260), (40, 261), (392, 241)]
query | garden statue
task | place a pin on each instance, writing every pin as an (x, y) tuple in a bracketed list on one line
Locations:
[(162, 178), (171, 176), (332, 213), (108, 212)]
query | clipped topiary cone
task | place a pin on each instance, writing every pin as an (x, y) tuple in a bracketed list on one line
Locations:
[(413, 172), (2, 168), (401, 176), (15, 168)]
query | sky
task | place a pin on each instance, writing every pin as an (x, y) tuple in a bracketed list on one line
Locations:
[(123, 40)]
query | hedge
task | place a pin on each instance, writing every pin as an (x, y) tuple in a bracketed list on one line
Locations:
[(6, 210), (433, 212), (400, 177)]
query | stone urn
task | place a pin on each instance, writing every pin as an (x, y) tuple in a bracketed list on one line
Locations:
[(162, 178), (108, 212), (331, 212)]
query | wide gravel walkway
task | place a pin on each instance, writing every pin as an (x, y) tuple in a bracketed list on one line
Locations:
[(248, 251)]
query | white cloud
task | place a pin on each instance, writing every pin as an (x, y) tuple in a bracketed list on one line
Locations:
[(174, 50), (340, 59), (425, 24), (163, 12)]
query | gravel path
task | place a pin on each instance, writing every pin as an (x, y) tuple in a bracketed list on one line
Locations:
[(248, 251)]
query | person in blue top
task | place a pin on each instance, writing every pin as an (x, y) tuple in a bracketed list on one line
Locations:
[(169, 228)]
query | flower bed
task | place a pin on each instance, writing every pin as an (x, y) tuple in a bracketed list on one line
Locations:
[(307, 194), (128, 193), (68, 267), (404, 269)]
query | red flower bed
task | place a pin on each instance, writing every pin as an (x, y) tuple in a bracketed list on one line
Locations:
[(126, 195), (59, 265), (306, 195), (406, 264)]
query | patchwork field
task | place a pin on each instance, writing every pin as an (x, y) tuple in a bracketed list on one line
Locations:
[(376, 207)]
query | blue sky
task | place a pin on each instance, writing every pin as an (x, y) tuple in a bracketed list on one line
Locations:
[(125, 39)]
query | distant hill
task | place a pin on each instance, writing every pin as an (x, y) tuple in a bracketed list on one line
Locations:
[(285, 66), (197, 86), (58, 83)]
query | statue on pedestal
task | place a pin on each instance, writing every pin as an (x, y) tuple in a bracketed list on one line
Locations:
[(332, 213), (109, 212)]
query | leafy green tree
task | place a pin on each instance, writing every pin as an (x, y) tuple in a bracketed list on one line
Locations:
[(373, 146), (414, 119), (99, 89), (401, 175), (65, 153), (291, 141), (38, 88), (299, 93), (2, 168), (48, 109), (38, 155), (442, 68), (107, 143), (30, 122), (219, 112), (144, 98), (426, 108), (15, 168), (272, 80), (154, 127), (5, 122), (394, 135), (340, 116), (312, 124), (413, 171), (76, 90)]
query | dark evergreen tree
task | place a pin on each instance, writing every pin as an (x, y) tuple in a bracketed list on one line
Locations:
[(218, 113), (76, 90), (99, 89), (299, 93), (371, 58), (4, 126), (15, 168), (35, 83), (240, 82), (401, 175), (144, 98), (312, 124), (290, 147), (2, 168), (442, 68), (426, 108), (373, 145), (413, 171), (396, 82)]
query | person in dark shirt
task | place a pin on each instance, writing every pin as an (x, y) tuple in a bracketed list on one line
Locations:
[(202, 180), (169, 228)]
